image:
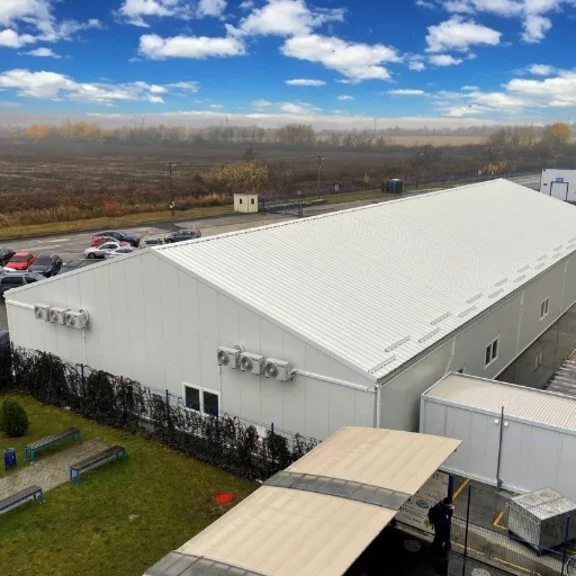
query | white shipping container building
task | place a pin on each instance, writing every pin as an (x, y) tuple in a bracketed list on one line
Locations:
[(314, 324), (532, 447), (559, 184)]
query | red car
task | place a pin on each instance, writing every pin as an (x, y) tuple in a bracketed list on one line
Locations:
[(99, 240), (21, 261)]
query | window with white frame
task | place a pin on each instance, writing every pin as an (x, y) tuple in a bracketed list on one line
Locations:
[(544, 308), (539, 360), (201, 400), (491, 352)]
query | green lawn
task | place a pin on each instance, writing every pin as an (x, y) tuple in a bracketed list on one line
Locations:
[(121, 518)]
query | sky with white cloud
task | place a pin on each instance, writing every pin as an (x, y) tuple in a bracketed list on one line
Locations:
[(439, 62)]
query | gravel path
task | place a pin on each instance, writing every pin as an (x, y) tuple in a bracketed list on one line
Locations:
[(49, 471)]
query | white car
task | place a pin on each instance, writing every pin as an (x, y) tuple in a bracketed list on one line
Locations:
[(122, 251), (102, 250)]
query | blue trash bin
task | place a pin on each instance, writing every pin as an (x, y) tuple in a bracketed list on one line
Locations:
[(9, 458)]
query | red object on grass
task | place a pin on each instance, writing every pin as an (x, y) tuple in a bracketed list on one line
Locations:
[(224, 497)]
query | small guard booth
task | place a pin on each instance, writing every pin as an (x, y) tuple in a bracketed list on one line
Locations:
[(246, 203), (321, 513)]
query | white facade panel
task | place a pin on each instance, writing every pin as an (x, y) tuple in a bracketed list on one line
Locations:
[(538, 447), (559, 184)]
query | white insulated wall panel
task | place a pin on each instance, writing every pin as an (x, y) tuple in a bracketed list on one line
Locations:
[(533, 456)]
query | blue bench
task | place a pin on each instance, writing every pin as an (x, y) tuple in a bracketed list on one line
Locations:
[(21, 497), (95, 460), (31, 449)]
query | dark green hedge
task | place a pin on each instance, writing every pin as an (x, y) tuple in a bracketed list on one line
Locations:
[(224, 442)]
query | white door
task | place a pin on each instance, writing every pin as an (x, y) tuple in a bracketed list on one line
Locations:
[(559, 190)]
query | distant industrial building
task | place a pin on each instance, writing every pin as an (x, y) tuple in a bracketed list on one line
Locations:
[(559, 184), (340, 319)]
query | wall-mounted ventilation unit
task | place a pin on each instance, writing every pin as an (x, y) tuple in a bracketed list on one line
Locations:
[(41, 312), (229, 357), (277, 369), (253, 363), (77, 319), (56, 315)]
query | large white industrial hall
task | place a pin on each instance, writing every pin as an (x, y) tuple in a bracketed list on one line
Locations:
[(322, 322)]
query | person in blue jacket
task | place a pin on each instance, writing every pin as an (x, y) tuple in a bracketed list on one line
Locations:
[(440, 517)]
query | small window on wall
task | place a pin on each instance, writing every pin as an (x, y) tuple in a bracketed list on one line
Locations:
[(538, 361), (544, 308), (491, 352), (201, 400), (240, 201), (251, 200)]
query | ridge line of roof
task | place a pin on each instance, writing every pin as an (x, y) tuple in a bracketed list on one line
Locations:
[(332, 214)]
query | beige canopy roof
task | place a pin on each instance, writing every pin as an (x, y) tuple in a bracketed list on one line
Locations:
[(318, 515)]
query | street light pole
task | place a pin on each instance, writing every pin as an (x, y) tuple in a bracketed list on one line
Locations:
[(320, 160), (171, 166)]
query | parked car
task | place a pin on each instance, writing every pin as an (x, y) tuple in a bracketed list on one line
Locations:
[(120, 237), (153, 242), (5, 255), (102, 250), (21, 261), (10, 280), (99, 240), (120, 252), (47, 265), (74, 265), (182, 235)]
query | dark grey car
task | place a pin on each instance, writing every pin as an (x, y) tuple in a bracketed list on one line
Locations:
[(10, 280), (47, 265)]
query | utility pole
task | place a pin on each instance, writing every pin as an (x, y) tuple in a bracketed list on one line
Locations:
[(171, 166), (320, 160)]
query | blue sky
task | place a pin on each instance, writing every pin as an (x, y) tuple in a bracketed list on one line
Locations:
[(439, 62)]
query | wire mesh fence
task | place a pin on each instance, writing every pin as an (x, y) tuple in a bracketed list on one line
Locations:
[(224, 441), (511, 534)]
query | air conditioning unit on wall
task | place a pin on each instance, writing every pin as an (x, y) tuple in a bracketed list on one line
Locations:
[(253, 363), (41, 312), (229, 357), (278, 369), (78, 320), (56, 315)]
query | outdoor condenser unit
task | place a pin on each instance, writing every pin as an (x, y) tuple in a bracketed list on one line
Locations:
[(544, 518)]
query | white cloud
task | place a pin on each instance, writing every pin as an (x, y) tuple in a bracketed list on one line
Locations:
[(52, 85), (344, 97), (299, 108), (541, 70), (355, 61), (469, 88), (10, 104), (197, 47), (459, 34), (185, 86), (261, 104), (425, 4), (287, 18), (407, 92), (38, 20), (246, 5), (216, 106), (43, 53), (305, 82), (556, 92), (134, 11), (416, 65), (211, 8), (444, 60), (11, 39), (532, 13)]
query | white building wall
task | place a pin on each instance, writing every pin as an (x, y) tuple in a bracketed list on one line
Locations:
[(515, 322), (159, 325), (533, 456)]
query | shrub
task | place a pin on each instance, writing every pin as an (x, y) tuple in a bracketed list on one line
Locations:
[(13, 418)]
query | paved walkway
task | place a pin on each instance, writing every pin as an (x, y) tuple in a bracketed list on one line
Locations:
[(49, 471)]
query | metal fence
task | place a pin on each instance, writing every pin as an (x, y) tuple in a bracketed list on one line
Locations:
[(491, 532)]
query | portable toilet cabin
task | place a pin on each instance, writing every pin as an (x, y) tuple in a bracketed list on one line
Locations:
[(559, 184), (394, 186)]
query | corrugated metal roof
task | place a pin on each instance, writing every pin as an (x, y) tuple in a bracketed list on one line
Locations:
[(528, 404), (377, 285), (290, 532)]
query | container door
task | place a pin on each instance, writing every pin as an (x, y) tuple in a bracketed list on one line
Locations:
[(559, 190)]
